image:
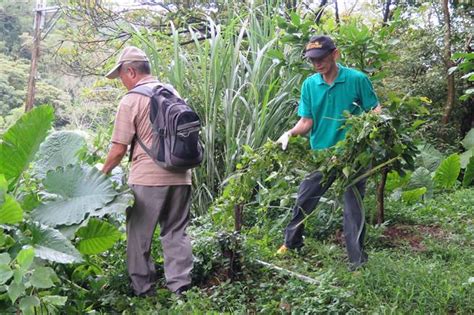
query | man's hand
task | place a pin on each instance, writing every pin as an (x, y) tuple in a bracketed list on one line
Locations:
[(283, 140), (115, 155)]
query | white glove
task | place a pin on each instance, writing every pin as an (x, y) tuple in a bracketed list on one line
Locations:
[(99, 166), (283, 140)]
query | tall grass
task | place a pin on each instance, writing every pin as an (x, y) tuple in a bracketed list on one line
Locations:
[(243, 96)]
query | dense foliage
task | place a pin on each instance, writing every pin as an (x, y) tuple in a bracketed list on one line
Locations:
[(240, 65)]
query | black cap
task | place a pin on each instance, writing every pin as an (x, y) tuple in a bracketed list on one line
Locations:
[(319, 46)]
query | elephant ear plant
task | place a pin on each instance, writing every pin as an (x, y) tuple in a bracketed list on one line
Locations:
[(36, 203)]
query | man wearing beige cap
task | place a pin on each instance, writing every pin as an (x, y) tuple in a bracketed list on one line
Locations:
[(161, 196), (325, 95)]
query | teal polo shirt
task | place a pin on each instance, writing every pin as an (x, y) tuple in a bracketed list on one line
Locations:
[(351, 91)]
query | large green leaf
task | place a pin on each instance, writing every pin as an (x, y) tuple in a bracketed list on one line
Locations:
[(468, 141), (465, 157), (54, 300), (448, 171), (25, 257), (412, 196), (15, 290), (42, 277), (28, 303), (79, 192), (5, 258), (117, 206), (429, 157), (469, 173), (394, 181), (421, 177), (10, 211), (51, 245), (97, 236), (23, 139), (59, 149), (5, 273)]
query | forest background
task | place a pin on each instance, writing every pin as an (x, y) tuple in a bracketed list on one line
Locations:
[(240, 65)]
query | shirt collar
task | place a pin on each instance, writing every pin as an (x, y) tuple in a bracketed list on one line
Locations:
[(145, 80), (341, 76)]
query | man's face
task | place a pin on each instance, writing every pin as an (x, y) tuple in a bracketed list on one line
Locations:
[(324, 64), (127, 76)]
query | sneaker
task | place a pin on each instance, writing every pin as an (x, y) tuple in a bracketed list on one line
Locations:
[(282, 250)]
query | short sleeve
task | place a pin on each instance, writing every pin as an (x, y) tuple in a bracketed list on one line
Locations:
[(124, 126), (304, 108), (368, 98)]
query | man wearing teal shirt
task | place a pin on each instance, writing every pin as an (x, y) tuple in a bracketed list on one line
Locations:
[(325, 96)]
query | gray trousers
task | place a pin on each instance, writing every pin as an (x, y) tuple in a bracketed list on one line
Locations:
[(168, 206), (309, 193)]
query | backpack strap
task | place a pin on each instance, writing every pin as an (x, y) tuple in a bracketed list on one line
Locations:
[(144, 90), (148, 92)]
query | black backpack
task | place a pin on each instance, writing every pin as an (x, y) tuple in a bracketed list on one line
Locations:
[(175, 127)]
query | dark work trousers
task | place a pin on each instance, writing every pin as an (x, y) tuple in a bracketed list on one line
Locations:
[(167, 206), (309, 193)]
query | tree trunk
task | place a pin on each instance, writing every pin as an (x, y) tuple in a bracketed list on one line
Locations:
[(30, 95), (380, 216), (320, 11), (467, 121), (386, 12), (448, 108), (336, 7), (291, 5)]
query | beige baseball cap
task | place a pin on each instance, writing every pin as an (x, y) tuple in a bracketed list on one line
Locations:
[(130, 53)]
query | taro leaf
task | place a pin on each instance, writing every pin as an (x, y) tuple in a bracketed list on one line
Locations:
[(97, 237), (468, 141), (79, 192), (25, 257), (28, 303), (59, 149), (469, 173), (69, 231), (448, 171), (22, 140), (51, 245), (42, 278), (15, 290), (116, 207), (56, 300), (429, 157), (413, 195), (5, 273), (465, 156), (421, 177), (10, 211)]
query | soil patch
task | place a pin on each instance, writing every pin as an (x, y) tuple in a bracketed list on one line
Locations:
[(412, 235)]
